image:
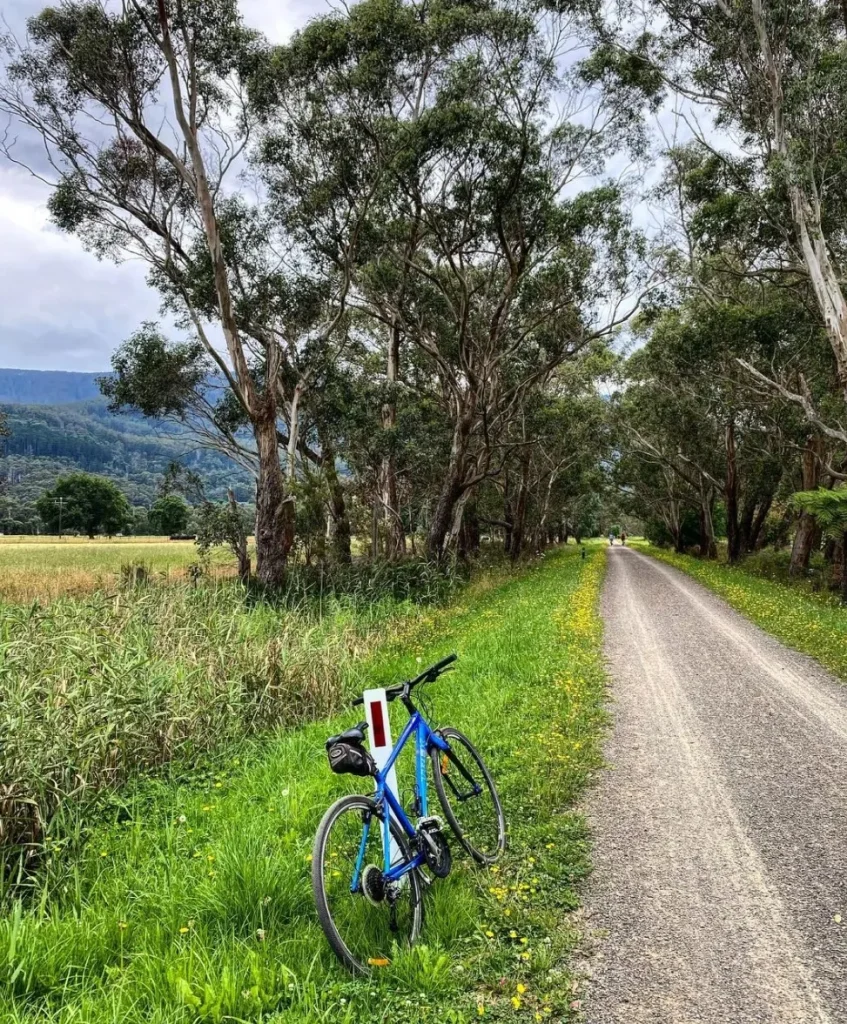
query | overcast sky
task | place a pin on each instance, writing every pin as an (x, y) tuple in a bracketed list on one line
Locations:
[(61, 309)]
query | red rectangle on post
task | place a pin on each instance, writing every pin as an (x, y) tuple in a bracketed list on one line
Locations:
[(378, 724)]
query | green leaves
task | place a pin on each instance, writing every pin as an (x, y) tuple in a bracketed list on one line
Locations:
[(169, 515), (828, 507), (157, 377), (90, 504)]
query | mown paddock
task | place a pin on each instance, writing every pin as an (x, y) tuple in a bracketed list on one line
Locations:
[(43, 568)]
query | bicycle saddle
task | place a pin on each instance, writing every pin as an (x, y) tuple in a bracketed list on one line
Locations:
[(354, 735)]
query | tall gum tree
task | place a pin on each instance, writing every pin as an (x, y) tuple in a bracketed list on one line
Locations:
[(773, 74), (480, 254), (144, 114), (140, 111), (501, 252)]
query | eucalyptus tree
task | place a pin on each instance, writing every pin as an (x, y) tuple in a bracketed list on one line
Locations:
[(773, 72), (691, 418), (143, 111), (651, 490), (508, 269), (401, 182), (477, 254), (364, 72), (559, 442)]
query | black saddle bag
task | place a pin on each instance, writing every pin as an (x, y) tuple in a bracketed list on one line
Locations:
[(346, 758)]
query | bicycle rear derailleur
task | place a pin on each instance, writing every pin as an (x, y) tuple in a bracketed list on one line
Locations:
[(433, 845)]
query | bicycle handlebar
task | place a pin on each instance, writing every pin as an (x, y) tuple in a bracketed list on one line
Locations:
[(427, 676)]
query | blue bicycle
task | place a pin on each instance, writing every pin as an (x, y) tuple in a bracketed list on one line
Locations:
[(369, 856)]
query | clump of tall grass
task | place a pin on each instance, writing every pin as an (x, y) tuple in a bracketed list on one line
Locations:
[(415, 580), (95, 689)]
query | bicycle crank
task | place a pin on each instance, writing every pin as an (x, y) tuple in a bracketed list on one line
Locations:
[(433, 845)]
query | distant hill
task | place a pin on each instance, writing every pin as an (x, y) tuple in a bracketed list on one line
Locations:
[(47, 387), (52, 434)]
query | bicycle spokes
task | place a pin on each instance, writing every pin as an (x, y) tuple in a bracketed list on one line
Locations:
[(370, 915), (469, 798), (461, 782)]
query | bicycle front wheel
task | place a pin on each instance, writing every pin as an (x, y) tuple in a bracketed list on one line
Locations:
[(363, 918), (469, 797)]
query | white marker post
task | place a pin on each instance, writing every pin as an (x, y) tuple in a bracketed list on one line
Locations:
[(381, 745)]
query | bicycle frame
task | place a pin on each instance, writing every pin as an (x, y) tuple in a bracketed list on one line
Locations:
[(425, 739)]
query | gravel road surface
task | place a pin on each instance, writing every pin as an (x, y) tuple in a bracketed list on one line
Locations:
[(720, 890)]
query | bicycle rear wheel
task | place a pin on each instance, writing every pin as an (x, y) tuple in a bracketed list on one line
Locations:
[(362, 918), (469, 797)]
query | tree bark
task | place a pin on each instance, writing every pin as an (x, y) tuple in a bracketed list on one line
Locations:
[(745, 525), (469, 534), (442, 517), (375, 528), (457, 522), (294, 429), (807, 534), (396, 534), (521, 504), (733, 533), (806, 212), (341, 532), (708, 547), (274, 514), (452, 488), (759, 522)]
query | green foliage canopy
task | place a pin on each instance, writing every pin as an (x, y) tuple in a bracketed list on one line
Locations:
[(169, 515), (90, 504)]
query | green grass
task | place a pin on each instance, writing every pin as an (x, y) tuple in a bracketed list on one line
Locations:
[(191, 900), (814, 623)]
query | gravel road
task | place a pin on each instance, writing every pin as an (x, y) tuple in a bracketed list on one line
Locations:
[(720, 890)]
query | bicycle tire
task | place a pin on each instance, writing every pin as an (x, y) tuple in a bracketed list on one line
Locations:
[(330, 929), (457, 739)]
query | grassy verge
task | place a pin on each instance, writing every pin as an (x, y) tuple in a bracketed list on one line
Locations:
[(192, 902), (812, 623)]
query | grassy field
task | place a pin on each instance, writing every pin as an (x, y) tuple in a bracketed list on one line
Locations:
[(190, 900), (98, 688), (812, 622), (43, 568)]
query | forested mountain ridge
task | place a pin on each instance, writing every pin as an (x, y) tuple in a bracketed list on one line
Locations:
[(47, 439), (47, 387)]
